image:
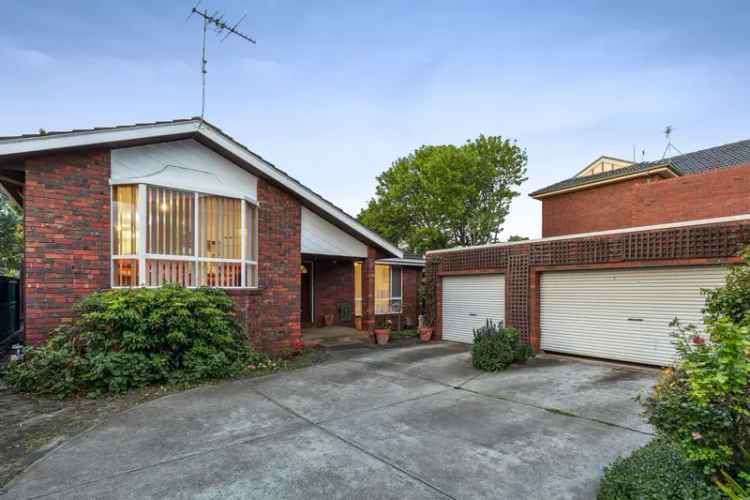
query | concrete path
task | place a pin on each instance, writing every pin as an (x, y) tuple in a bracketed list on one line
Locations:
[(411, 423)]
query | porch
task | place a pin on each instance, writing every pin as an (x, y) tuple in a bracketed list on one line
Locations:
[(343, 297), (335, 336)]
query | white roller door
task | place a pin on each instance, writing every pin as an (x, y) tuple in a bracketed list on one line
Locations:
[(622, 314), (468, 301)]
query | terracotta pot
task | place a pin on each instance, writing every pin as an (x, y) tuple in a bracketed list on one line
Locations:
[(383, 335), (328, 318), (425, 333), (358, 324)]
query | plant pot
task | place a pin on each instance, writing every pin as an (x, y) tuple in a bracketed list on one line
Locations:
[(425, 333), (328, 319), (382, 335), (358, 324)]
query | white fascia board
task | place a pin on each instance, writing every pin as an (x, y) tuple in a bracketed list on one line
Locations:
[(41, 143), (402, 262), (78, 139), (672, 225), (295, 187)]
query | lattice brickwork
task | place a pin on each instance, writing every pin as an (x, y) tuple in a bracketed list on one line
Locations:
[(517, 296), (710, 241)]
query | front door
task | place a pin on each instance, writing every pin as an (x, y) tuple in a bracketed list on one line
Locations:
[(306, 312)]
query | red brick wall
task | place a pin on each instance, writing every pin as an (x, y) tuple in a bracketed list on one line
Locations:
[(412, 277), (67, 220), (333, 285), (272, 314), (67, 249), (638, 202), (522, 263)]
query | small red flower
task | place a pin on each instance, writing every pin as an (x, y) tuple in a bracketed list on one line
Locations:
[(698, 340)]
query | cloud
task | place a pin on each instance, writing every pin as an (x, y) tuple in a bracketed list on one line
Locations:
[(31, 58)]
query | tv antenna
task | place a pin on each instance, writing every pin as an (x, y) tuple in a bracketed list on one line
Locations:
[(220, 26), (670, 146)]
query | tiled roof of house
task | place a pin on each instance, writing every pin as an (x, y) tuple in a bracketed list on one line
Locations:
[(689, 163)]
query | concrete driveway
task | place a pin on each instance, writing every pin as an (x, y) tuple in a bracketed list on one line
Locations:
[(411, 423)]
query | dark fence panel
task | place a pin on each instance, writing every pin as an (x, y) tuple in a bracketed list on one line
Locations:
[(10, 307)]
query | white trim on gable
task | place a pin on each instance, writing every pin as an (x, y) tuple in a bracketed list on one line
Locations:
[(167, 131), (323, 238)]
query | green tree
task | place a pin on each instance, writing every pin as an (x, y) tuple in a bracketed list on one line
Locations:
[(11, 238), (516, 237), (443, 196)]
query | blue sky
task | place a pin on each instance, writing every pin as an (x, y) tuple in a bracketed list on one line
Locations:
[(335, 91)]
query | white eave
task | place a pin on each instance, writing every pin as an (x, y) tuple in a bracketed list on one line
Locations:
[(187, 128), (402, 262)]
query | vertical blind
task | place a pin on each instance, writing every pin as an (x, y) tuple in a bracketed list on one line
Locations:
[(358, 289), (124, 215), (173, 253), (171, 222), (387, 289)]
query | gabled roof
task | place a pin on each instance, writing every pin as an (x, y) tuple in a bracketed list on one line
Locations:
[(211, 136), (735, 153)]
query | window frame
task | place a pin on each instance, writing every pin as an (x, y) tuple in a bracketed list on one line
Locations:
[(391, 297), (142, 256)]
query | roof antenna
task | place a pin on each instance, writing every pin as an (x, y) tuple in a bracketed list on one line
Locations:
[(220, 26), (670, 146)]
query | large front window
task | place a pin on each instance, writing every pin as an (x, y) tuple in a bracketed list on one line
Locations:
[(162, 235), (388, 290)]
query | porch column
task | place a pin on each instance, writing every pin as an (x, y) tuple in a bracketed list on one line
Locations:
[(368, 290)]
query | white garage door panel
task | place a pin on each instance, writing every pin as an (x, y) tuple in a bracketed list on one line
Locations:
[(468, 301), (622, 314)]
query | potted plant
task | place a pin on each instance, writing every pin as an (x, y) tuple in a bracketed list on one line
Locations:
[(383, 331), (328, 319), (425, 333)]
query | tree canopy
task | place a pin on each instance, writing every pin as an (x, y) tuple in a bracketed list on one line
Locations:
[(443, 196), (11, 238)]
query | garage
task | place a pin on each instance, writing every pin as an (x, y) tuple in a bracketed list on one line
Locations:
[(622, 314), (468, 301)]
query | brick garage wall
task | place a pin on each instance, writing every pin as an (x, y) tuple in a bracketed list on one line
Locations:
[(522, 263), (67, 221), (412, 277), (642, 202), (333, 285), (272, 314)]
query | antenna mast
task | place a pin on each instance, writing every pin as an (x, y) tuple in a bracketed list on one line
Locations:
[(220, 26), (670, 146)]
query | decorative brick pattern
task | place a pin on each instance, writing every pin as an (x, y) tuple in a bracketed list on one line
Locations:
[(522, 263), (648, 201), (516, 293), (67, 203)]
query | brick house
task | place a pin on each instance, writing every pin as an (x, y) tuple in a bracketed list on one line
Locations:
[(625, 248), (183, 202)]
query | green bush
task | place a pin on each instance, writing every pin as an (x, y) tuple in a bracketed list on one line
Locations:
[(495, 348), (657, 471), (703, 404), (732, 299), (129, 338)]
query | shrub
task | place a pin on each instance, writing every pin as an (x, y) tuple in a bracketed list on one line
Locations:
[(495, 348), (128, 338), (732, 299), (704, 403), (657, 471)]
